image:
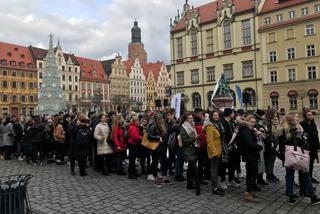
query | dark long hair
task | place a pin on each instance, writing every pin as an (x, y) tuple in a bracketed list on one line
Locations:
[(185, 117)]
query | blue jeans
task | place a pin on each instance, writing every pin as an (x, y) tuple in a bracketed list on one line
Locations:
[(304, 181), (179, 162)]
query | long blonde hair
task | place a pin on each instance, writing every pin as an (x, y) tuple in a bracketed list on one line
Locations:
[(116, 122), (284, 128)]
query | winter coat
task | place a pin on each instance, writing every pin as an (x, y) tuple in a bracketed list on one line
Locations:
[(17, 128), (8, 135), (249, 144), (59, 133), (189, 150), (36, 134), (154, 134), (119, 139), (134, 134), (83, 149), (313, 137), (228, 128), (200, 131), (101, 133), (214, 146)]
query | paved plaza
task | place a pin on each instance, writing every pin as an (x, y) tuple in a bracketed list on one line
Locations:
[(54, 190)]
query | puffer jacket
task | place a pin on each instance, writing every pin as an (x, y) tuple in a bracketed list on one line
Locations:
[(101, 133), (134, 136), (119, 139), (214, 146)]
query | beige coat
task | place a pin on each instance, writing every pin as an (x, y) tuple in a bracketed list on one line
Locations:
[(101, 133)]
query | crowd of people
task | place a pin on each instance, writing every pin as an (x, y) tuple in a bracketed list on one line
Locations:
[(213, 144)]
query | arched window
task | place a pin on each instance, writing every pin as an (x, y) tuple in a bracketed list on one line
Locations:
[(209, 98), (313, 99), (251, 97), (194, 49), (293, 99), (196, 100), (274, 96), (227, 34)]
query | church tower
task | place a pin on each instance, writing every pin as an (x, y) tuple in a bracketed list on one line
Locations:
[(136, 47)]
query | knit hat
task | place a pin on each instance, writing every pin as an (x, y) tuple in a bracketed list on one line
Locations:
[(240, 111), (227, 112), (260, 112)]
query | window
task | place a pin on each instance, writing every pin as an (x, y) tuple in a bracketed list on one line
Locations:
[(4, 73), (14, 84), (76, 69), (228, 71), (69, 68), (4, 84), (293, 102), (63, 68), (291, 53), (70, 87), (194, 76), (210, 74), (83, 95), (4, 98), (272, 56), (70, 97), (273, 76), (313, 100), (279, 18), (12, 63), (64, 87), (292, 74), (290, 33), (310, 30), (312, 72), (311, 50), (292, 14), (251, 95), (246, 32), (70, 78), (31, 85), (22, 74), (83, 85), (3, 62), (23, 85), (76, 88), (209, 41), (180, 78), (40, 75), (193, 42), (89, 85), (23, 98), (227, 34), (271, 37), (304, 11), (14, 74), (179, 48), (247, 69), (274, 102), (31, 98), (317, 8), (31, 111), (76, 98), (196, 100), (30, 75), (63, 78), (40, 64), (267, 20), (76, 79)]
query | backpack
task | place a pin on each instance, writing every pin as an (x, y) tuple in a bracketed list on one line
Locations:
[(83, 137)]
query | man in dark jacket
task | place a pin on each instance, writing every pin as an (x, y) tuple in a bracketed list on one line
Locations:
[(17, 128), (170, 123), (36, 134)]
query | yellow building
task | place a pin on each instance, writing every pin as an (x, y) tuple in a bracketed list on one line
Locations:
[(151, 91), (215, 38), (119, 83), (19, 82), (290, 53)]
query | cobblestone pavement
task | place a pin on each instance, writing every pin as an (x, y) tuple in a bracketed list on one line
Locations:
[(54, 190)]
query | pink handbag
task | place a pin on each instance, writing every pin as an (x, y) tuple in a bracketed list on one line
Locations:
[(296, 158)]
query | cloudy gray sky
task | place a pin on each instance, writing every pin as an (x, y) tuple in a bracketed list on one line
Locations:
[(91, 28)]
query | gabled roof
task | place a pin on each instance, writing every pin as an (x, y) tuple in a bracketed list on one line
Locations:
[(17, 53), (107, 66), (40, 54), (154, 68), (207, 12), (128, 64), (88, 66), (273, 5)]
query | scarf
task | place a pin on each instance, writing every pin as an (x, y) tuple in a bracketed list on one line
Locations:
[(190, 129)]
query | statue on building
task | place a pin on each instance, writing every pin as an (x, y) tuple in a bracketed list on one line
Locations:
[(51, 96)]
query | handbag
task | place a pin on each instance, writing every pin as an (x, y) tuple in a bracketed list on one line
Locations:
[(151, 145), (296, 157), (172, 141)]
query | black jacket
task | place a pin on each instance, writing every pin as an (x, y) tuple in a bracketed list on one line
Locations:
[(313, 137), (249, 145), (36, 133), (85, 149)]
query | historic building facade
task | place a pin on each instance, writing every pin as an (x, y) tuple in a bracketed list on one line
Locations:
[(137, 82), (95, 86), (163, 85), (213, 39), (18, 80), (119, 83), (69, 69), (290, 53), (151, 91)]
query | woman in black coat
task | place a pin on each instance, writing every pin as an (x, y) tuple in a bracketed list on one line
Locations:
[(37, 138)]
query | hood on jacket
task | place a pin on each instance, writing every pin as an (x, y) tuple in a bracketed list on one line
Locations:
[(206, 124)]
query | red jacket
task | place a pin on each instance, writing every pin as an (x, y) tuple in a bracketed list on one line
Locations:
[(203, 139), (134, 136), (118, 138)]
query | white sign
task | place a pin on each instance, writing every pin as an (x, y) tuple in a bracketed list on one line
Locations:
[(176, 104)]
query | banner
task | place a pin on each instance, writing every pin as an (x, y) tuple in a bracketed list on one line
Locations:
[(239, 95), (215, 89), (176, 104)]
